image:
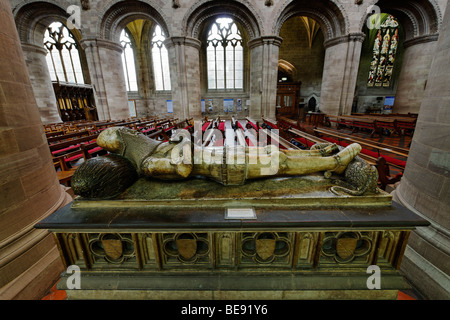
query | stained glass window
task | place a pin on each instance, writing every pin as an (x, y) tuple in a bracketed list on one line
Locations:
[(384, 50), (225, 55), (129, 67), (63, 59), (160, 58)]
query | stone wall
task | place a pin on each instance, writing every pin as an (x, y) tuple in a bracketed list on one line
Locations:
[(29, 258), (425, 187)]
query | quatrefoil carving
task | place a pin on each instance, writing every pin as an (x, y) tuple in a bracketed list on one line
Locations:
[(265, 247), (113, 247), (344, 247), (186, 247)]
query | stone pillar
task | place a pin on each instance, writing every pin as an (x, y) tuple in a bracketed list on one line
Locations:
[(29, 190), (41, 82), (263, 76), (425, 186), (340, 72), (106, 71), (184, 54), (414, 73)]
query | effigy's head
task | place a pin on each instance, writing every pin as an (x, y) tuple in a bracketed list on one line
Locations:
[(109, 139), (103, 177)]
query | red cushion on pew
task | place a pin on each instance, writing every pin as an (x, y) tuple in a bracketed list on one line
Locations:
[(253, 125), (170, 128), (95, 149), (78, 156), (272, 125), (205, 126), (66, 149)]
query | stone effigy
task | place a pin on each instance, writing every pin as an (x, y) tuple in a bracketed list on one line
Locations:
[(134, 155), (184, 220)]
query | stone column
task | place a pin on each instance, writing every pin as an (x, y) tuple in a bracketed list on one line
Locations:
[(104, 59), (263, 76), (29, 190), (340, 72), (184, 54), (425, 186), (414, 73), (41, 82)]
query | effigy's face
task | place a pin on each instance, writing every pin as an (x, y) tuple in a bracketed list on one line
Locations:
[(109, 139)]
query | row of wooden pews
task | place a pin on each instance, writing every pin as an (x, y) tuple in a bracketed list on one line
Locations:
[(72, 143), (374, 123), (380, 155)]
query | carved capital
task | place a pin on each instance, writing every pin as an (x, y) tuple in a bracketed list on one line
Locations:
[(356, 36), (182, 41), (29, 47), (265, 40), (98, 42)]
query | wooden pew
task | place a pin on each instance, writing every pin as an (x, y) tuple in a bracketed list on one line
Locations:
[(68, 145), (361, 123), (379, 159), (270, 122), (287, 123), (372, 144), (68, 137)]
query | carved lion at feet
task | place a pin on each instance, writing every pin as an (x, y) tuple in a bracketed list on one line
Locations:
[(360, 177)]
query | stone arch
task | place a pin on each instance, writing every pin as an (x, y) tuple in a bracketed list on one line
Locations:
[(33, 18), (287, 68), (242, 12), (330, 15), (115, 17), (418, 18)]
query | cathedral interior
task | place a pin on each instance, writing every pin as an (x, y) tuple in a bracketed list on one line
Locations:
[(373, 72)]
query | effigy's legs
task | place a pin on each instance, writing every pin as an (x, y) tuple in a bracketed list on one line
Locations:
[(296, 163)]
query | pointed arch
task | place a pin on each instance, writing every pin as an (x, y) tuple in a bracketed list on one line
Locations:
[(329, 14), (115, 17)]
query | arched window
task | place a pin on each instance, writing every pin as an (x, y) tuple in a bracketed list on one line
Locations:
[(384, 50), (225, 55), (63, 59), (129, 67), (160, 58)]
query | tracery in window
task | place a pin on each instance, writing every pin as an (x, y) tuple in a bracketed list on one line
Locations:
[(384, 50), (63, 59), (160, 58), (129, 66), (225, 55)]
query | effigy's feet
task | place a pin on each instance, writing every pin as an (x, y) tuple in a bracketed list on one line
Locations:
[(343, 158), (326, 149)]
